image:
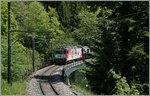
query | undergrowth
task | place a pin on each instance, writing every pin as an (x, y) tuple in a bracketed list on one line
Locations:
[(17, 88)]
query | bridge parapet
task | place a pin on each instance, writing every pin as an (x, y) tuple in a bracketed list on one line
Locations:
[(69, 68)]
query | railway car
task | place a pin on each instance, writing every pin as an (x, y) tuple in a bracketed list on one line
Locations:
[(68, 54)]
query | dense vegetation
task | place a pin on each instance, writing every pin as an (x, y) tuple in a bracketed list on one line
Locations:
[(79, 82), (118, 32)]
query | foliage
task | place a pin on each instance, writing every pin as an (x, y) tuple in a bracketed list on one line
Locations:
[(81, 90), (80, 83), (98, 70), (29, 15), (122, 87), (87, 27), (55, 27), (21, 61), (17, 88), (4, 18), (68, 12), (4, 11), (128, 54), (132, 39), (44, 25)]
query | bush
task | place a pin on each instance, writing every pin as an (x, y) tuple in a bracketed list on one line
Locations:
[(122, 87), (17, 88), (21, 60)]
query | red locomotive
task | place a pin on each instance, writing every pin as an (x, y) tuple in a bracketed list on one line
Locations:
[(71, 53)]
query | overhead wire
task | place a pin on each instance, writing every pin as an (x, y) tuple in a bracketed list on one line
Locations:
[(131, 14)]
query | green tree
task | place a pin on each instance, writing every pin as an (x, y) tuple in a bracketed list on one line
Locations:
[(68, 12), (21, 61), (31, 16), (4, 17), (21, 56), (133, 37), (129, 36), (98, 72), (87, 27)]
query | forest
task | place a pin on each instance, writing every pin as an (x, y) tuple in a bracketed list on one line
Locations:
[(118, 32)]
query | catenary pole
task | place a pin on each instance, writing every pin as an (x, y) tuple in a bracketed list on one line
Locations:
[(9, 47), (33, 48)]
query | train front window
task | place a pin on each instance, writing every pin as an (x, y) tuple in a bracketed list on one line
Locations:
[(59, 52), (88, 50)]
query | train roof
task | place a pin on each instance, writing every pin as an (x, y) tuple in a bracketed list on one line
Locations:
[(85, 47), (71, 47), (68, 47)]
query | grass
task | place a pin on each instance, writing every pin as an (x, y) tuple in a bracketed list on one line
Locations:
[(17, 88)]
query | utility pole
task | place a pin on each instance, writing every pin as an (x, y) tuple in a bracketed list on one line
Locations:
[(33, 48), (9, 47)]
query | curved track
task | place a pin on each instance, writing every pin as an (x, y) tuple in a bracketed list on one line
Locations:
[(49, 81), (45, 81)]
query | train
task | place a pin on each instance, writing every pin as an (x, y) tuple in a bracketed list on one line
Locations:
[(70, 54)]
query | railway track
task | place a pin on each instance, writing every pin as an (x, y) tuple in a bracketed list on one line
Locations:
[(49, 81), (45, 81)]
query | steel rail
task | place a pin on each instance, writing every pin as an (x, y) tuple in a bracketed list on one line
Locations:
[(53, 68)]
